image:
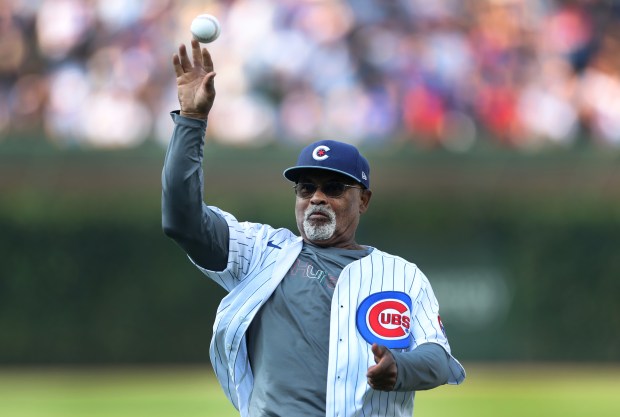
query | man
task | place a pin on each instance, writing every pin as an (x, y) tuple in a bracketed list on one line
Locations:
[(313, 325)]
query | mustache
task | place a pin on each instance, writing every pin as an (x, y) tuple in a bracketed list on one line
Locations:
[(320, 210)]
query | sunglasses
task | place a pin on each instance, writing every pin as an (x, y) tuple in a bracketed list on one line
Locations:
[(331, 189)]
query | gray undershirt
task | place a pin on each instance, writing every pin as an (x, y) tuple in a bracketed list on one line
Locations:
[(288, 340)]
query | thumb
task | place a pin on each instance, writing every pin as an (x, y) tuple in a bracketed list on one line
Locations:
[(379, 352)]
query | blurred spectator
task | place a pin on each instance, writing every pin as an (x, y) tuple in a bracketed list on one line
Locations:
[(453, 74)]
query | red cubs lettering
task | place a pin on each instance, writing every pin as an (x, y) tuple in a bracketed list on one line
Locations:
[(388, 319), (395, 319)]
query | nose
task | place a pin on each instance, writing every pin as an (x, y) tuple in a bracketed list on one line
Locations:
[(318, 197)]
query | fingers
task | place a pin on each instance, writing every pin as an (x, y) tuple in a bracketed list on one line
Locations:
[(375, 369), (207, 60), (176, 64), (200, 59), (184, 58), (196, 54), (378, 351), (382, 376)]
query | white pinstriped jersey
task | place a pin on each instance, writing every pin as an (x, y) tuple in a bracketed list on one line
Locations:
[(259, 257)]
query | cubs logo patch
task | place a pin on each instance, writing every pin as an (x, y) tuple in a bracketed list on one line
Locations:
[(385, 318), (441, 325), (320, 152)]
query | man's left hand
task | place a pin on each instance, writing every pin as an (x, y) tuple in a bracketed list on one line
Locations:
[(382, 376)]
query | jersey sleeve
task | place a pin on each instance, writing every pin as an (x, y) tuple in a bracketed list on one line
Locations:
[(246, 245), (427, 327)]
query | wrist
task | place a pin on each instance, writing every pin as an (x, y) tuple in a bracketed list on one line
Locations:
[(194, 115)]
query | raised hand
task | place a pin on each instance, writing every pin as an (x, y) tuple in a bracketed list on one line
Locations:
[(195, 86), (382, 376)]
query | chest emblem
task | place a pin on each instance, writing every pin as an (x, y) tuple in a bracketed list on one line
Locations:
[(385, 318)]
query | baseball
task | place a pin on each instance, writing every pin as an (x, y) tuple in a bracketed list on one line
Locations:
[(205, 28)]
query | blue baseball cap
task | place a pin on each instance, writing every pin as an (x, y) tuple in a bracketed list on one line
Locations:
[(331, 155)]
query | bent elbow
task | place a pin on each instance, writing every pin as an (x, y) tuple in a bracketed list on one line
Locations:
[(441, 374), (169, 229)]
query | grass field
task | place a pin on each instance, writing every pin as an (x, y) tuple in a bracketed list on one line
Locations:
[(498, 391)]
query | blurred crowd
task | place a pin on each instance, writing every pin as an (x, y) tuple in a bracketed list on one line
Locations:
[(455, 74)]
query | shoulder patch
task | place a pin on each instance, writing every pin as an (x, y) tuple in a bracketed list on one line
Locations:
[(441, 325), (385, 318)]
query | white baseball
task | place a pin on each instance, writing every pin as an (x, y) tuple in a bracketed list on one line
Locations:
[(205, 28)]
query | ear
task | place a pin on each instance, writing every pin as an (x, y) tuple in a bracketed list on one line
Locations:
[(364, 200)]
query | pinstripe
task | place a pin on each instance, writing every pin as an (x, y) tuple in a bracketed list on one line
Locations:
[(393, 274), (235, 336), (396, 396), (218, 358), (420, 326), (280, 242), (379, 395), (232, 277), (415, 273), (348, 342), (242, 305), (428, 297), (360, 364), (220, 281), (338, 308), (404, 401), (221, 375), (430, 321), (373, 393), (246, 259), (382, 277)]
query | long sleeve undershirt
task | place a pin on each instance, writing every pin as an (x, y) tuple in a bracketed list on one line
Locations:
[(185, 217)]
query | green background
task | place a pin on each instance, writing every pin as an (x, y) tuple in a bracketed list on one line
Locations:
[(522, 250), (102, 315)]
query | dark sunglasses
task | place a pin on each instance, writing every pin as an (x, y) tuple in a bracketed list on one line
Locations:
[(331, 189)]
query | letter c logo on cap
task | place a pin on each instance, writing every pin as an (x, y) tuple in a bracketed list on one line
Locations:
[(320, 153)]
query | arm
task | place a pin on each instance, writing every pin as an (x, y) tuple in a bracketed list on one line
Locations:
[(429, 363), (185, 218), (423, 368)]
